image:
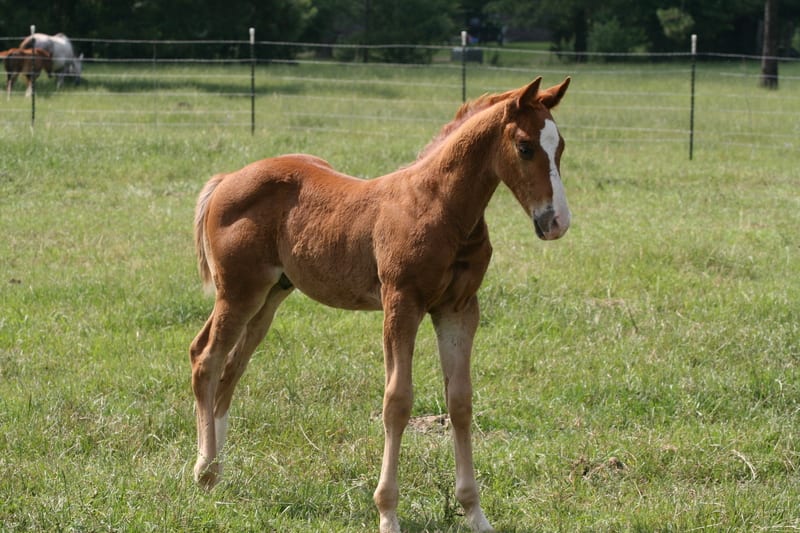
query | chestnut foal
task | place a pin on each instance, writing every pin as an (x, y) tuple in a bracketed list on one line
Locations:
[(408, 243), (30, 63)]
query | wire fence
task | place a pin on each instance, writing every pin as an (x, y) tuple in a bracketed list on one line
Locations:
[(279, 86)]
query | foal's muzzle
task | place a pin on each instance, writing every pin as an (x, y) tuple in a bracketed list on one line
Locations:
[(548, 224)]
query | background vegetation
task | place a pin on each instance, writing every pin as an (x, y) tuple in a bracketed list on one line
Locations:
[(641, 374), (732, 26)]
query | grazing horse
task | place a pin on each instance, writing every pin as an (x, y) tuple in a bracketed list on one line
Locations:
[(64, 61), (410, 243), (30, 63)]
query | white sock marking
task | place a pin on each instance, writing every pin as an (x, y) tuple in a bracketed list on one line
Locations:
[(221, 430)]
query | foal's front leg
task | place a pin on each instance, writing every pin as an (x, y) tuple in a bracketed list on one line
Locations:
[(9, 84), (400, 323), (455, 331)]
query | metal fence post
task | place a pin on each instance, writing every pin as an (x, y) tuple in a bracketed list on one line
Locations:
[(463, 66), (691, 111), (31, 74), (252, 81)]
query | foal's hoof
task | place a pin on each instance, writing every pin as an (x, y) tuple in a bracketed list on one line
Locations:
[(389, 523), (206, 474), (477, 521)]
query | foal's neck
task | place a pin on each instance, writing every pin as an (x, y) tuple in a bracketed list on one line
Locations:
[(461, 169)]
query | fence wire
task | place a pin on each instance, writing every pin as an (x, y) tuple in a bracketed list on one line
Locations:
[(615, 98)]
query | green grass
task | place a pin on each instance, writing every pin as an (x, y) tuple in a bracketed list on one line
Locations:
[(639, 375)]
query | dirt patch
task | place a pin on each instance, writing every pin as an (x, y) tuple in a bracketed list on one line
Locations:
[(583, 467), (430, 423), (439, 424)]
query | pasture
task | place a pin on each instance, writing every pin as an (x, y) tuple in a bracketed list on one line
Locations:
[(640, 374)]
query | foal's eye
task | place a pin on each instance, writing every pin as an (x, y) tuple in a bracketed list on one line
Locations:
[(525, 149)]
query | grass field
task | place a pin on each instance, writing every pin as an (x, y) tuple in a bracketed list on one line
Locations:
[(639, 375)]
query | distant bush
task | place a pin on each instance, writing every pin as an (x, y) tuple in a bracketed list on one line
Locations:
[(609, 36), (676, 23)]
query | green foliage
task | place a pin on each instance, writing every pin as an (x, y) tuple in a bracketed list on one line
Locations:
[(414, 22), (410, 22), (641, 374), (723, 25), (676, 23), (181, 19), (610, 37)]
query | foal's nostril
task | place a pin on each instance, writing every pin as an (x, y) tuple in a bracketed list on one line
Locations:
[(538, 228), (544, 222)]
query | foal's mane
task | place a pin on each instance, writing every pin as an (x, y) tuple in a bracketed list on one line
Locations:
[(464, 112)]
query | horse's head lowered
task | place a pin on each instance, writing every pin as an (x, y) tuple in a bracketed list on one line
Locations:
[(531, 166)]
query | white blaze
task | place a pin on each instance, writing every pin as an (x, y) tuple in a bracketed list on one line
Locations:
[(548, 140)]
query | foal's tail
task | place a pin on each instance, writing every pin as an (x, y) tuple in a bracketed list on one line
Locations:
[(200, 232)]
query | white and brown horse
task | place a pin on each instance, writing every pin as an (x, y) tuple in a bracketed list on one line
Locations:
[(65, 63), (410, 243), (29, 63)]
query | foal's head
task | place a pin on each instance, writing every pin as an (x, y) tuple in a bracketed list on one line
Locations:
[(530, 157)]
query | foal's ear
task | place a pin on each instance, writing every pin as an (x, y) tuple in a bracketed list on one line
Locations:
[(552, 96), (527, 95)]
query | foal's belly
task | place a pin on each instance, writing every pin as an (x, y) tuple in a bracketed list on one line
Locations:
[(340, 287)]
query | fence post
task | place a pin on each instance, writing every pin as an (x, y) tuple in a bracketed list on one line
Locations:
[(463, 66), (33, 78), (252, 81), (691, 111)]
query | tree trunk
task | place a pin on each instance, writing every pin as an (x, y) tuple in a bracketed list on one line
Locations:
[(769, 51)]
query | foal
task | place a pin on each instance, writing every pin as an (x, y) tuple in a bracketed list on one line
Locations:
[(65, 63), (29, 62), (410, 243)]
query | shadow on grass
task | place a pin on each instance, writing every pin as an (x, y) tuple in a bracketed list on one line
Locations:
[(218, 81)]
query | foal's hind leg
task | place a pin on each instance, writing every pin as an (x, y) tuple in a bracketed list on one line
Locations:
[(220, 335), (455, 331), (239, 357)]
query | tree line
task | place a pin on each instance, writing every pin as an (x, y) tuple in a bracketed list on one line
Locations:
[(735, 26), (726, 26)]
